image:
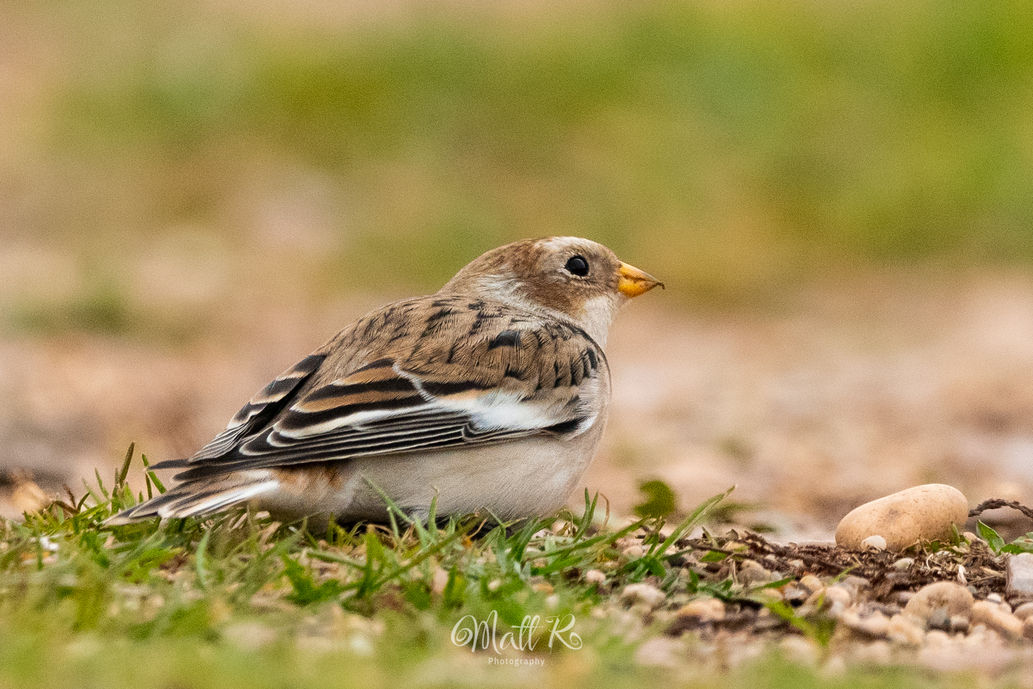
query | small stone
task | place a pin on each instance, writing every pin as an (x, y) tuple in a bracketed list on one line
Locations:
[(542, 587), (751, 573), (811, 583), (633, 552), (904, 563), (855, 584), (793, 595), (1027, 628), (901, 598), (997, 619), (439, 581), (926, 513), (643, 593), (953, 599), (836, 610), (938, 619), (706, 609), (958, 624), (594, 576), (816, 600), (875, 625), (904, 632), (1024, 611), (773, 594), (837, 593), (875, 542), (995, 598), (27, 496)]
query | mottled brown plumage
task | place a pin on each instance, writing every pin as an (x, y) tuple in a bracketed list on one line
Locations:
[(496, 381)]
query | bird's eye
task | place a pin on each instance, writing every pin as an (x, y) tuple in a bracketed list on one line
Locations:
[(577, 265)]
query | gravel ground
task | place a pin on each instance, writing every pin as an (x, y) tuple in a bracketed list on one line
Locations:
[(811, 406)]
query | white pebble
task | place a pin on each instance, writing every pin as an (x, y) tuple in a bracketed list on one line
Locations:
[(706, 609), (1024, 611), (997, 619), (643, 593), (634, 552), (875, 542), (904, 632), (838, 594), (811, 583), (946, 597)]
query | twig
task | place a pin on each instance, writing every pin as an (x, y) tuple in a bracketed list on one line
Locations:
[(996, 503)]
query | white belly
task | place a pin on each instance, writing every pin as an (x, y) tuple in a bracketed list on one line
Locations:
[(511, 480)]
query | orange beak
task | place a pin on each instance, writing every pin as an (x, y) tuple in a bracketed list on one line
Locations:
[(634, 282)]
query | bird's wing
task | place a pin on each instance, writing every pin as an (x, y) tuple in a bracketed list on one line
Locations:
[(262, 408), (481, 380)]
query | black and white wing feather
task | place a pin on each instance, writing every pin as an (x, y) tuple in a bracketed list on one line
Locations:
[(508, 375)]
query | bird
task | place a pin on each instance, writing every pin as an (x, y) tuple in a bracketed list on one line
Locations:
[(488, 396)]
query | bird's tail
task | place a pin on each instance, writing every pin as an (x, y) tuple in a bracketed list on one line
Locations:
[(199, 498)]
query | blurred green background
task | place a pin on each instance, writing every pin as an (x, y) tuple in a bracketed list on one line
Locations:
[(177, 152)]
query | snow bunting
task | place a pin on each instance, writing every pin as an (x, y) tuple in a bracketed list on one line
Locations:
[(490, 395)]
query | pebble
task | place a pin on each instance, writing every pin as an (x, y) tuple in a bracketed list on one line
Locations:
[(811, 583), (945, 597), (1020, 574), (875, 625), (902, 597), (958, 624), (997, 619), (1024, 611), (816, 600), (939, 619), (904, 632), (706, 609), (904, 563), (855, 584), (439, 581), (594, 576), (643, 593), (875, 542), (1027, 628), (837, 593), (633, 552), (793, 595), (751, 573), (921, 513)]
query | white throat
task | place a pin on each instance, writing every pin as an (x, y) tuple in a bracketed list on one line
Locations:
[(595, 317)]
